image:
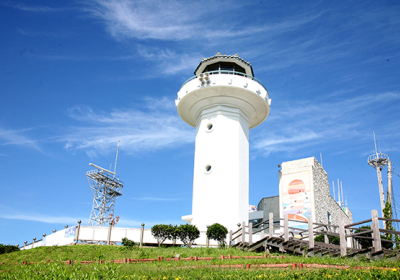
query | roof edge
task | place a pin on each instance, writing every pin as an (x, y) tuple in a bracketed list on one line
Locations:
[(219, 55)]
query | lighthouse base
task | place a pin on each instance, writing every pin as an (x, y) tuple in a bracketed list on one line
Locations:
[(221, 168), (187, 218)]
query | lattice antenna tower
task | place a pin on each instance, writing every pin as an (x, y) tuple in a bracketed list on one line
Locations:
[(106, 188), (379, 161)]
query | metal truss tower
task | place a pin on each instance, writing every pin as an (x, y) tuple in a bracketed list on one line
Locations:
[(105, 189)]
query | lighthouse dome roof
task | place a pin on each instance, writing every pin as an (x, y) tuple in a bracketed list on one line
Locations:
[(243, 65)]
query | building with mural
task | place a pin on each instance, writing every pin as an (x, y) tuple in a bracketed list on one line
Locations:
[(304, 191)]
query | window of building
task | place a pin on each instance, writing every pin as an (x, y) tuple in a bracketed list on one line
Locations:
[(224, 66)]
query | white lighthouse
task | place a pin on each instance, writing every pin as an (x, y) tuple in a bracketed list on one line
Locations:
[(223, 101)]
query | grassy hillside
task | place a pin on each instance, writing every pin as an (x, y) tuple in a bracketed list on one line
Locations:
[(205, 269)]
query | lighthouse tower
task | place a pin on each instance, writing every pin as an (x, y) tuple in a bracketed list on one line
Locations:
[(223, 101)]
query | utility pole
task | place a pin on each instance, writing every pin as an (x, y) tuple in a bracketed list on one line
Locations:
[(389, 193), (379, 161)]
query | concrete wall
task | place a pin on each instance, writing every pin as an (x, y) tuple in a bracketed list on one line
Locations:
[(269, 205), (100, 234), (324, 201)]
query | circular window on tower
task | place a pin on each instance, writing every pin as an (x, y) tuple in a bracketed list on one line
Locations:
[(207, 169), (209, 127)]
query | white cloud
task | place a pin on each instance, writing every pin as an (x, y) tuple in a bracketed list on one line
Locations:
[(37, 9), (164, 20), (295, 126), (157, 199), (65, 220), (178, 20), (41, 218), (138, 130), (148, 224), (169, 62), (18, 138), (44, 34)]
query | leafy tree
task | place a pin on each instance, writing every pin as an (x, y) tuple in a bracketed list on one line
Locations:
[(162, 232), (174, 232), (366, 243), (218, 233), (332, 239), (128, 243), (187, 234), (387, 213), (4, 249)]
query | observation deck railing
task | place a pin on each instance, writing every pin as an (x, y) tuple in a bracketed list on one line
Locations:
[(229, 73)]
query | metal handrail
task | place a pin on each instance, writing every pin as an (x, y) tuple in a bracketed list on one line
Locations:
[(229, 73)]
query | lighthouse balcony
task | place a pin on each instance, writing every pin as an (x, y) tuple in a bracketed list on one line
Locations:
[(224, 78), (223, 87)]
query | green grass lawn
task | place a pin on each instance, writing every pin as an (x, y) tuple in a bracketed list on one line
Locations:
[(204, 269)]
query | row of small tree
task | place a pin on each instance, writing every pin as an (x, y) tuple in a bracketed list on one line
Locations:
[(8, 248), (188, 233), (185, 233)]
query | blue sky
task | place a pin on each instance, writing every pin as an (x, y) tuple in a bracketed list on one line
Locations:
[(76, 76)]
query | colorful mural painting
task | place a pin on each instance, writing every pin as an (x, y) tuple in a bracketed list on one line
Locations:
[(296, 200)]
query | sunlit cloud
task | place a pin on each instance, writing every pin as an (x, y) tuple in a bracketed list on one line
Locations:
[(156, 199), (138, 130), (169, 20), (48, 219), (148, 224), (18, 138), (169, 62), (43, 33), (298, 125), (175, 20), (37, 9)]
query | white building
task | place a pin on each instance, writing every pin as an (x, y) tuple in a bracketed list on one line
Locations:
[(223, 101)]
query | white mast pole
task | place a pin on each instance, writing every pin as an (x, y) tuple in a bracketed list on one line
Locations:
[(334, 195), (341, 185)]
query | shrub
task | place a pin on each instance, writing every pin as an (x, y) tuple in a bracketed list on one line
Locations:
[(332, 239), (162, 232), (4, 249), (128, 243), (187, 234), (218, 233)]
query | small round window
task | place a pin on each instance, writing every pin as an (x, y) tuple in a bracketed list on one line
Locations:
[(207, 169), (209, 127)]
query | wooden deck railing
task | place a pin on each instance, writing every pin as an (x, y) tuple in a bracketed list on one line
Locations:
[(349, 239)]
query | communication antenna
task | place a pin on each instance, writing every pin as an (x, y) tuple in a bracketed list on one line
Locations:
[(379, 161), (105, 189), (116, 158)]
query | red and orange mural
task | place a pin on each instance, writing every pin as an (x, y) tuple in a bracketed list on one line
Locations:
[(296, 199)]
